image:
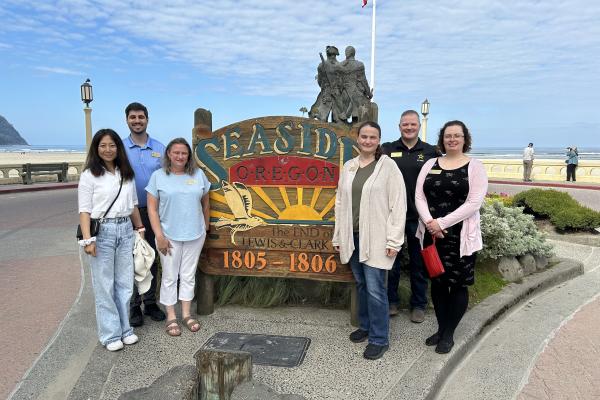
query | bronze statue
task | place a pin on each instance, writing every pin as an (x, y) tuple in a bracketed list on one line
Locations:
[(356, 86), (344, 92)]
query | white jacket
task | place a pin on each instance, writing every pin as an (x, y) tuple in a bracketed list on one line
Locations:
[(382, 213)]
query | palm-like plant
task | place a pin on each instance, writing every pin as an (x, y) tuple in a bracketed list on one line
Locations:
[(303, 110)]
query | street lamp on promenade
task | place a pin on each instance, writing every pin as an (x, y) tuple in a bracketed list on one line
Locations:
[(424, 111), (87, 96)]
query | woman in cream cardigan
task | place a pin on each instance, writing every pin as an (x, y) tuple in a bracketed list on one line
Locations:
[(370, 212)]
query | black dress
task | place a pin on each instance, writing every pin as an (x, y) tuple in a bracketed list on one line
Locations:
[(445, 191)]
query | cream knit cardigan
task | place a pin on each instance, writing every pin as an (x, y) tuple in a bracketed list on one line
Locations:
[(382, 213)]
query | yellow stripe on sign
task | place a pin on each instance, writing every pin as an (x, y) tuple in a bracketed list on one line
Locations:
[(300, 193), (284, 196), (217, 214), (315, 197), (217, 197), (328, 207), (261, 193), (262, 214)]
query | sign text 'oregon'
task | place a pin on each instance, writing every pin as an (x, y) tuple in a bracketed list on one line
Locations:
[(273, 196)]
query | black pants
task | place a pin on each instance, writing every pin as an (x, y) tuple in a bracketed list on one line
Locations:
[(150, 296), (450, 304), (571, 172)]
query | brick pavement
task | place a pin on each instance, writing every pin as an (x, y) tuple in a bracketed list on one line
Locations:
[(568, 366)]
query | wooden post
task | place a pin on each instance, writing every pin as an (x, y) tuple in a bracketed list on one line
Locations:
[(354, 306), (220, 371), (205, 293)]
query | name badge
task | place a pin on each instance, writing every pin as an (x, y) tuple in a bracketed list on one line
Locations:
[(191, 182), (397, 154), (435, 171), (155, 154)]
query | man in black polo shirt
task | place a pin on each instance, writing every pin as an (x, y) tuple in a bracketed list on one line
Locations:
[(410, 153)]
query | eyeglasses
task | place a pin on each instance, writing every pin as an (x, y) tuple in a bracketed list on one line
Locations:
[(449, 137)]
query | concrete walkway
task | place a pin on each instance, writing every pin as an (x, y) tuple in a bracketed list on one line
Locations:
[(74, 366)]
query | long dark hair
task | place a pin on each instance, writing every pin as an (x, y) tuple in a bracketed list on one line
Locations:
[(190, 165), (96, 164), (373, 124)]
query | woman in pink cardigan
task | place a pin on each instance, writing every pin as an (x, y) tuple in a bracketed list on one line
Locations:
[(449, 194)]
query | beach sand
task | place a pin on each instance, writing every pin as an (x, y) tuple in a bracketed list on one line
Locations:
[(41, 157)]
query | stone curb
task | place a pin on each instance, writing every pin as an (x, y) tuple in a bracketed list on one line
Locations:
[(427, 374), (34, 188)]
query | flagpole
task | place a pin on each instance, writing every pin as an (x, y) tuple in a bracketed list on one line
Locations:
[(373, 50)]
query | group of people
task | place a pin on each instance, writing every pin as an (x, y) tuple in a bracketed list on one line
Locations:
[(572, 160), (430, 195), (138, 184)]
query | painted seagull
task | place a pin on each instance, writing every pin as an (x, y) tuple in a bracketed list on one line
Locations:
[(239, 201)]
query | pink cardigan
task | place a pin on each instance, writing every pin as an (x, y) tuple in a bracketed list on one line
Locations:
[(468, 213)]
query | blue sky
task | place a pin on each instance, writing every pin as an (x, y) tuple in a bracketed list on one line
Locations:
[(514, 71)]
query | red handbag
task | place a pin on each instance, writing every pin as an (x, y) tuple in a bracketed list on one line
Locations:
[(432, 261)]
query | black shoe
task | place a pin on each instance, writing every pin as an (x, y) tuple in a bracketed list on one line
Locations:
[(373, 351), (359, 336), (154, 312), (433, 339), (135, 317), (444, 346)]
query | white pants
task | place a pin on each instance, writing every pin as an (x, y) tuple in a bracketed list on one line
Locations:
[(181, 263)]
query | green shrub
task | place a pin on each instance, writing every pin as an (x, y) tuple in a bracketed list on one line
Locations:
[(507, 231), (564, 212), (504, 198)]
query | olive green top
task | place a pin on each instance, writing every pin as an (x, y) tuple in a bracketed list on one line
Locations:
[(362, 174)]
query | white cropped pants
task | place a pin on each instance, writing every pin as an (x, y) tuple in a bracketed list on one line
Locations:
[(180, 264)]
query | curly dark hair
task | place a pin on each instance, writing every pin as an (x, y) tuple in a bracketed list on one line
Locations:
[(373, 124), (96, 164), (466, 146)]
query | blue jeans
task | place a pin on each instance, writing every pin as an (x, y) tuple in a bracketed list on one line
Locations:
[(112, 279), (373, 304), (418, 276)]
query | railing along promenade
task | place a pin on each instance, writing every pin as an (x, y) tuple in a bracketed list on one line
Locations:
[(543, 170), (11, 173)]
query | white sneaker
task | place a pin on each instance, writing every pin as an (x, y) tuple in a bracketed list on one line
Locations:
[(114, 346), (131, 339)]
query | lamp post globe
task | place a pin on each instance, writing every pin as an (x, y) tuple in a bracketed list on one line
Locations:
[(87, 96), (425, 112)]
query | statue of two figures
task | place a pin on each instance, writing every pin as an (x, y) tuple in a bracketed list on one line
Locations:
[(345, 92)]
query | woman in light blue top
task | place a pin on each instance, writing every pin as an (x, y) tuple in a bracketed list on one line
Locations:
[(178, 209), (572, 161)]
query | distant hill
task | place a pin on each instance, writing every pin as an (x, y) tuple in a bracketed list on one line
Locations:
[(8, 134)]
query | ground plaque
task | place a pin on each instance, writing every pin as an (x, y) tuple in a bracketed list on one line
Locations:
[(272, 350)]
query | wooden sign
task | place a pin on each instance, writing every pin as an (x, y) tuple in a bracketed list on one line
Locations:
[(273, 183)]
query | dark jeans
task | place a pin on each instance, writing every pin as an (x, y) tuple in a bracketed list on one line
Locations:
[(150, 296), (373, 314), (418, 276), (571, 172)]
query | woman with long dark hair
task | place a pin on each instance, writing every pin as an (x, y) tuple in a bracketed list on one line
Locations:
[(106, 192), (370, 213), (449, 194), (178, 208)]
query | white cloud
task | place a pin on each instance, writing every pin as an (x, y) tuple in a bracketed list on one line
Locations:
[(58, 70)]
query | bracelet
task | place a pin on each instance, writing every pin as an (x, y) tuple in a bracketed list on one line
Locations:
[(137, 228), (86, 242)]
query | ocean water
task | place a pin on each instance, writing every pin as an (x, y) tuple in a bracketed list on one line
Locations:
[(591, 153)]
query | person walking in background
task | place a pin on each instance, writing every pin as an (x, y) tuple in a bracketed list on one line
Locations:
[(145, 155), (410, 154), (449, 194), (178, 207), (572, 162), (370, 212), (528, 155), (106, 191)]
